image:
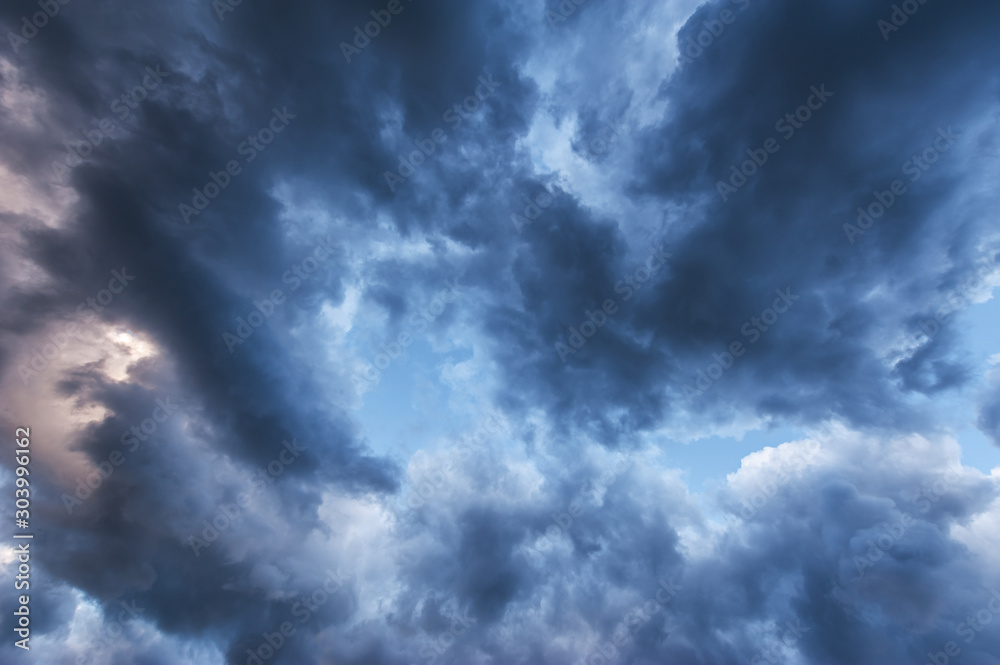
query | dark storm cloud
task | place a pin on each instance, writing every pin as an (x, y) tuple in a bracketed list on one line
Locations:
[(192, 282), (127, 216), (841, 537), (989, 417), (825, 358), (885, 103)]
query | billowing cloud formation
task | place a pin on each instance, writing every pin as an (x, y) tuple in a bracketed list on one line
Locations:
[(354, 332)]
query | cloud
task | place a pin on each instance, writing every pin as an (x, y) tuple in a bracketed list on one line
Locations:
[(532, 543)]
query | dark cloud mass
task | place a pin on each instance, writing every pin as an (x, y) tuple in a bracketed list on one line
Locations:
[(446, 332)]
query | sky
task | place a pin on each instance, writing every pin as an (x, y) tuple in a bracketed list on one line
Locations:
[(573, 332)]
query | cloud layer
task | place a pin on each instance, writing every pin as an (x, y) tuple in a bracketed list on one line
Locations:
[(366, 333)]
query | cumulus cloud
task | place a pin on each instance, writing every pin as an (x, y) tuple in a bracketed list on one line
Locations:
[(365, 333)]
